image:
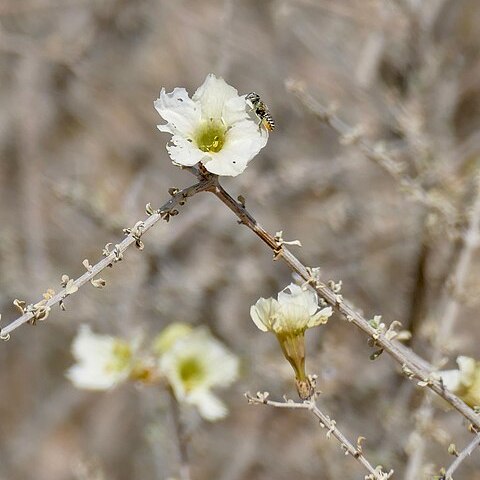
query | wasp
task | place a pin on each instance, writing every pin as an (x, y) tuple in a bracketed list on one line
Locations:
[(261, 111)]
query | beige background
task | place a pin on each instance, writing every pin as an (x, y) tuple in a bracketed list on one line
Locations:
[(80, 157)]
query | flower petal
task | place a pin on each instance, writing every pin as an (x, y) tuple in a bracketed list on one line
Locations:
[(91, 378), (451, 379), (242, 142), (94, 353), (183, 152), (296, 294), (88, 345), (221, 366), (320, 317), (181, 112), (291, 294), (263, 312), (169, 335), (467, 370), (235, 110), (213, 95), (292, 318), (210, 406), (168, 365)]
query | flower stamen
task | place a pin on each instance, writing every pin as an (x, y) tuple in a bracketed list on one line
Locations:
[(210, 137)]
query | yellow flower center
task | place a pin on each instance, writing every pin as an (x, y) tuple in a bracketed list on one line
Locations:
[(191, 372), (210, 136), (121, 357)]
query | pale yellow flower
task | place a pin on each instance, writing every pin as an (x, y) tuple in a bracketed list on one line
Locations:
[(464, 381), (288, 317), (193, 365)]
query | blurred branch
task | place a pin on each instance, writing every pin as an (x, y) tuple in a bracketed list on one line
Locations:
[(376, 153), (31, 131), (455, 285), (466, 452), (25, 46), (373, 49), (182, 440), (27, 7), (418, 300), (164, 212), (450, 303), (53, 52), (86, 203), (403, 355), (364, 16), (325, 422)]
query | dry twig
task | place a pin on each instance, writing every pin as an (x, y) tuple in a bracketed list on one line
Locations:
[(376, 473), (403, 355), (466, 452), (376, 153), (410, 367), (164, 212)]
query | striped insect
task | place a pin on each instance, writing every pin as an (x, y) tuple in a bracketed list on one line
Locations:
[(261, 111)]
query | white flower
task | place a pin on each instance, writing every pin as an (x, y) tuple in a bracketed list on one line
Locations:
[(213, 127), (295, 310), (465, 381), (288, 317), (193, 365), (102, 361)]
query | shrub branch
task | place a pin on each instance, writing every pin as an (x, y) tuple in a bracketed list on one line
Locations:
[(163, 213), (411, 367), (376, 153), (376, 473), (404, 356), (466, 452)]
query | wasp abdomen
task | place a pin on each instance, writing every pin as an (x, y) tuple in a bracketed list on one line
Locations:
[(267, 120)]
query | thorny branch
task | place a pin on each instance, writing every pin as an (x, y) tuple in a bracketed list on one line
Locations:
[(376, 473), (404, 356), (412, 368), (466, 452), (376, 153), (163, 213)]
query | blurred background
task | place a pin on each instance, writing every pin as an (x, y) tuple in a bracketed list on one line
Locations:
[(80, 157)]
